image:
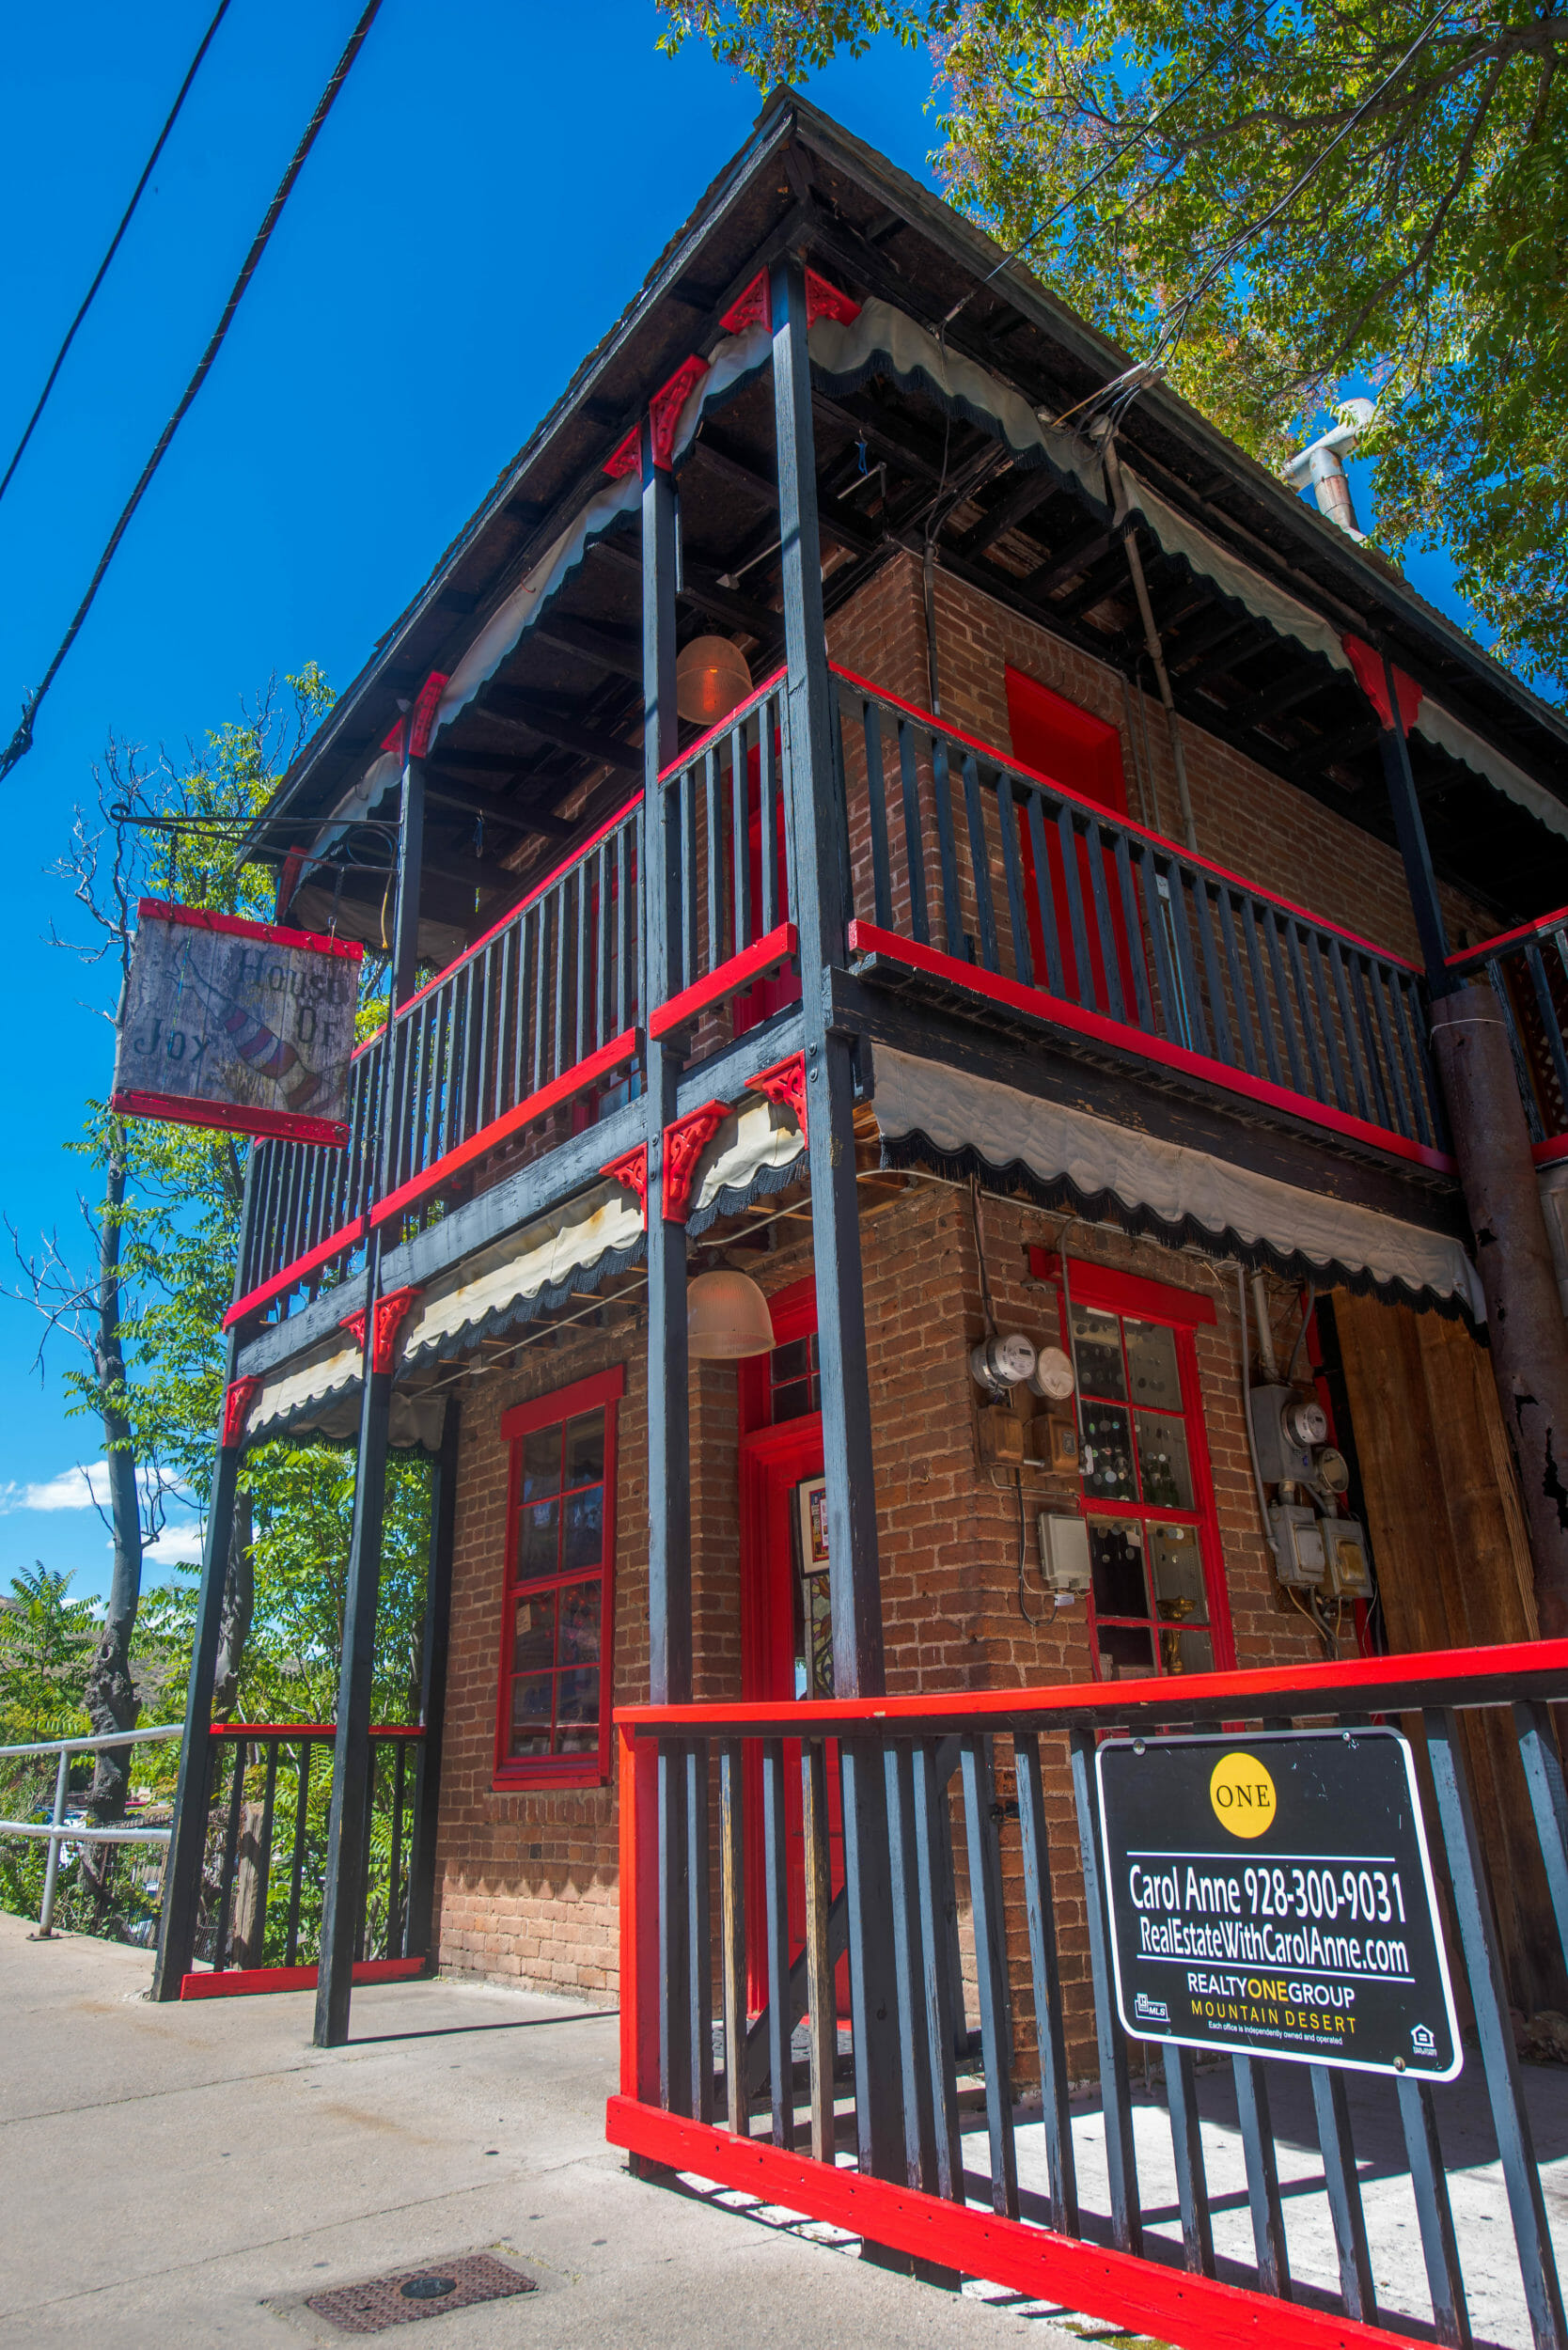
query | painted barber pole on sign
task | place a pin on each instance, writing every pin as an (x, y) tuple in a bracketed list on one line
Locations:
[(244, 1026)]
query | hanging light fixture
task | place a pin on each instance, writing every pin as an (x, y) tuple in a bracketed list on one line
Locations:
[(726, 1317), (712, 677)]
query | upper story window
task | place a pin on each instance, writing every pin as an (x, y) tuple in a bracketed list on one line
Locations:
[(552, 1723), (1157, 1601), (1059, 739)]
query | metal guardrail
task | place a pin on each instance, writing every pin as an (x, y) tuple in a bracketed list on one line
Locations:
[(861, 1860), (1527, 972), (970, 869), (59, 1832)]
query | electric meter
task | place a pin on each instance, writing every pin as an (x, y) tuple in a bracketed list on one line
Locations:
[(1052, 1376), (1298, 1547), (1345, 1550), (1002, 1362), (1305, 1423), (1064, 1552), (1333, 1470)]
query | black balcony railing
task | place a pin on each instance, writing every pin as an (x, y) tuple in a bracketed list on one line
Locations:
[(1528, 971), (972, 872)]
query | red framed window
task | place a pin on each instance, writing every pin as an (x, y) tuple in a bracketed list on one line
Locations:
[(553, 1719), (1157, 1601)]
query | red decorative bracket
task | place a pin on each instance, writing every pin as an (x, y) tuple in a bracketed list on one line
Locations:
[(785, 1083), (630, 1168), (238, 1397), (664, 415), (684, 1143), (390, 1312), (1369, 676), (421, 718), (755, 306)]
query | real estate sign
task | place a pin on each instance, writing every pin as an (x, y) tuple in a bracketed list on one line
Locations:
[(238, 1024), (1272, 1896)]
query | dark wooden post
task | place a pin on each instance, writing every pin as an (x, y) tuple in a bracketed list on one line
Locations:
[(1526, 1332), (183, 1868), (343, 1896), (418, 1938), (670, 1537), (820, 834)]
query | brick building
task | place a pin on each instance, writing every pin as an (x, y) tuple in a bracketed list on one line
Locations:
[(887, 853)]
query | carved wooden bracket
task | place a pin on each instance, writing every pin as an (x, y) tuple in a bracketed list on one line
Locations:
[(239, 1396), (630, 1168), (785, 1083), (684, 1143), (390, 1312)]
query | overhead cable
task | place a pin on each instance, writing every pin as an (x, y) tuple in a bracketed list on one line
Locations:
[(21, 741), (114, 247)]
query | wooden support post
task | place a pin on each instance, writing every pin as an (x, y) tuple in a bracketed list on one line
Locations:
[(419, 1936), (1526, 1332), (343, 1894), (183, 1868)]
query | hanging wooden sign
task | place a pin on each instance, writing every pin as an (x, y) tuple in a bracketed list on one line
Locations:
[(238, 1024)]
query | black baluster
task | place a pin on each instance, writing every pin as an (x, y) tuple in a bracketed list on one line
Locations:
[(1347, 1021), (230, 1854), (942, 796), (699, 1933), (920, 2147), (1130, 915), (296, 1864), (980, 860), (1262, 2176), (1203, 914), (1404, 1114), (1451, 2315), (1067, 842), (934, 1870), (1238, 983), (1310, 1018), (1012, 869), (1180, 931), (914, 863), (1343, 2190), (1116, 2102), (711, 808), (822, 2004), (740, 840), (1045, 1975), (876, 804), (775, 1886), (1094, 852), (690, 909), (733, 1942), (1187, 2145), (1168, 980), (1324, 1006), (1044, 898), (1270, 1018), (990, 1972), (395, 1884)]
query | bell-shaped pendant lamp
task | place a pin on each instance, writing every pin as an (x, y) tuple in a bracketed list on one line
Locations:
[(726, 1318), (712, 677)]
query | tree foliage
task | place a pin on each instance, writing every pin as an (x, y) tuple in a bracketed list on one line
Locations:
[(1275, 203), (47, 1640)]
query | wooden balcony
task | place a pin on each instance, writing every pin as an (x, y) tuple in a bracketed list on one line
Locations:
[(983, 891)]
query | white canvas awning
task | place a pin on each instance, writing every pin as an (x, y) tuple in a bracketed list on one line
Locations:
[(931, 1114)]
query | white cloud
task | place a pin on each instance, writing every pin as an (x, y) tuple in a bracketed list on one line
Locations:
[(176, 1545), (73, 1489)]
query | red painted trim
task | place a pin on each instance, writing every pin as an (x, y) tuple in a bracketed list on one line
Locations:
[(631, 1172), (1548, 1153), (228, 1118), (637, 1786), (511, 1773), (1124, 1292), (567, 865), (391, 1311), (1126, 824), (562, 1089), (741, 710), (1143, 2297), (238, 1397), (785, 1083), (1489, 947), (1456, 1676), (309, 1730), (236, 1982), (756, 962), (236, 926), (334, 1245), (866, 940), (684, 1141), (545, 1411)]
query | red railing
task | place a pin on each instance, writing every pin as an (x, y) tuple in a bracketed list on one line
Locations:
[(883, 1893), (972, 873)]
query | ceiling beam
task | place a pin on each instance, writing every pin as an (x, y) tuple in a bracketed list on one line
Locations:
[(620, 655), (525, 710), (1024, 493)]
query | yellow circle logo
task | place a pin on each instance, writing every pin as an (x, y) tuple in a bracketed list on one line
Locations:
[(1242, 1794)]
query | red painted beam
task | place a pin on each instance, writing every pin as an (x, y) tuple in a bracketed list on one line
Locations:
[(866, 939), (236, 1117), (1549, 1152), (1455, 1676), (1141, 2295), (562, 1089), (308, 1730), (755, 961), (237, 1983), (346, 1237)]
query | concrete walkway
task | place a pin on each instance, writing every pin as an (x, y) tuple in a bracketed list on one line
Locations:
[(186, 2175)]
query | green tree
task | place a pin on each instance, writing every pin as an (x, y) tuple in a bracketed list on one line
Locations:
[(1272, 205), (47, 1642)]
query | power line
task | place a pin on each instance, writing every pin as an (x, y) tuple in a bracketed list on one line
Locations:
[(114, 247), (21, 741)]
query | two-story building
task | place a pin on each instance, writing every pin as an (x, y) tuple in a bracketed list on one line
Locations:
[(911, 844)]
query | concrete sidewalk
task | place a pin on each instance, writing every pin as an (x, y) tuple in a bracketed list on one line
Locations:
[(175, 2177)]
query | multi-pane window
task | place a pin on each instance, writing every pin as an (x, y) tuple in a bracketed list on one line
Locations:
[(553, 1719), (1157, 1596), (795, 1380)]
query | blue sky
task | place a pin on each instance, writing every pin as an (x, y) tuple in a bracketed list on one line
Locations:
[(494, 183)]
